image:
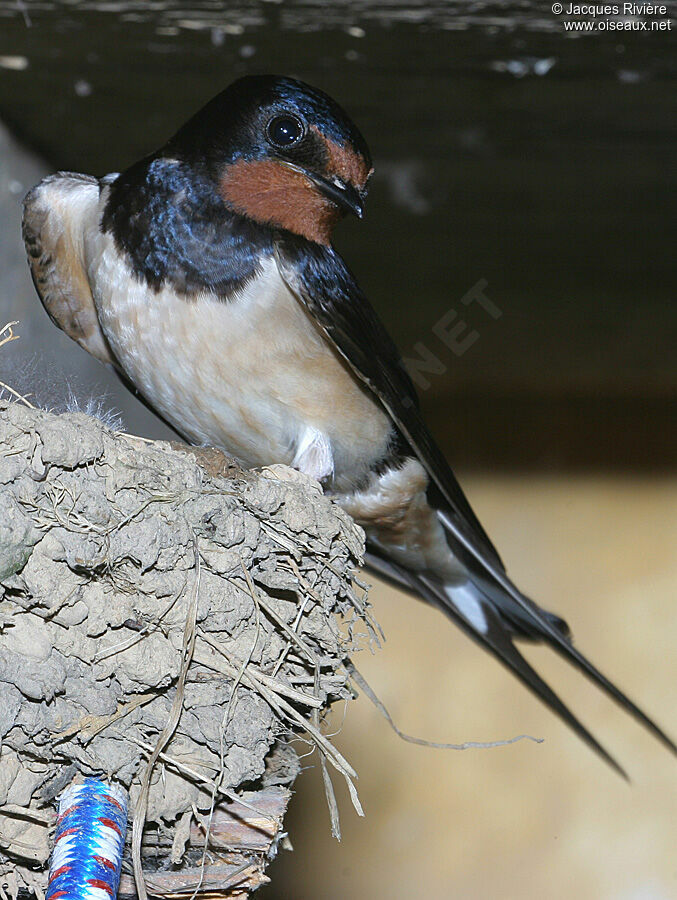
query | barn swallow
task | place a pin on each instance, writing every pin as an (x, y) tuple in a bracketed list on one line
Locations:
[(206, 276)]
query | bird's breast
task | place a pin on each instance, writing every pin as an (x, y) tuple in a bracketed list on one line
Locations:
[(250, 374)]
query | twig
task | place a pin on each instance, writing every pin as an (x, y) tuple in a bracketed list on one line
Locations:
[(224, 725), (148, 629), (187, 770), (44, 817), (299, 615), (17, 395), (467, 745), (325, 746), (230, 668), (89, 726), (173, 720), (9, 335)]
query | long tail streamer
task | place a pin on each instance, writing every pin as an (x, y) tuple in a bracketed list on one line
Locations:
[(89, 842)]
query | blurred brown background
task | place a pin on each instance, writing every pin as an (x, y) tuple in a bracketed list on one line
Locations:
[(534, 168)]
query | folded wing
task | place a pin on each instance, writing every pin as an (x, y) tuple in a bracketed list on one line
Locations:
[(488, 606), (57, 215)]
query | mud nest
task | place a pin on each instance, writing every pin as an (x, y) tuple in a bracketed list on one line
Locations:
[(168, 620)]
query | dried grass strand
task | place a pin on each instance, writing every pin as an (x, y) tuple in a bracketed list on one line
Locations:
[(189, 635), (361, 682)]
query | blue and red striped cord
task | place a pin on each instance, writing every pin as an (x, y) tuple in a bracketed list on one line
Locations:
[(88, 843)]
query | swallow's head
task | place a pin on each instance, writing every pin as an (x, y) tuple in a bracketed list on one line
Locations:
[(281, 152)]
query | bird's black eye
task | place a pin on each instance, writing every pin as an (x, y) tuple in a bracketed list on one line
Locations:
[(283, 131)]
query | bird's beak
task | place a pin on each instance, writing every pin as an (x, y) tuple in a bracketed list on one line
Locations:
[(345, 196)]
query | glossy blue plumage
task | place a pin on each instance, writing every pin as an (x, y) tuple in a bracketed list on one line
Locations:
[(175, 229)]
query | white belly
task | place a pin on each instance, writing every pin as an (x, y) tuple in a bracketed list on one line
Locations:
[(251, 374)]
